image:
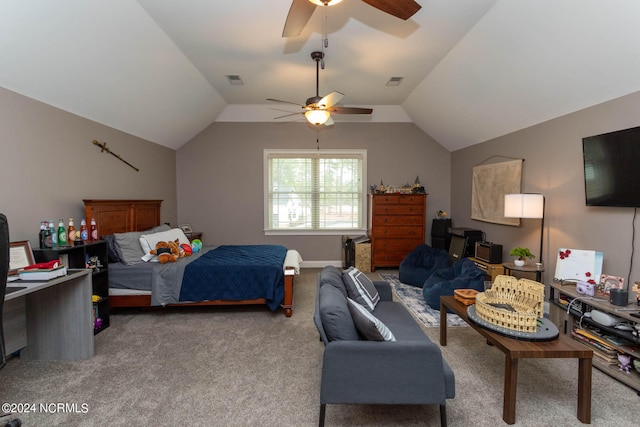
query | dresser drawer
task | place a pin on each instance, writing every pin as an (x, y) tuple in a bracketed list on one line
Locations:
[(398, 209), (383, 245), (400, 199), (388, 259), (387, 220), (416, 232)]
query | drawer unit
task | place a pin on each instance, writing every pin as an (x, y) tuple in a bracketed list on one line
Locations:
[(397, 226)]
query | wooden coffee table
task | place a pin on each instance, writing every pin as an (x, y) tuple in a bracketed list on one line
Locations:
[(562, 347)]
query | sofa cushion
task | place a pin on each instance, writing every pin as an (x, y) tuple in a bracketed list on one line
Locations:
[(370, 327), (400, 321), (333, 276), (335, 315), (360, 288)]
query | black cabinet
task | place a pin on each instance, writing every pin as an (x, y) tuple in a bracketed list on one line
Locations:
[(91, 255)]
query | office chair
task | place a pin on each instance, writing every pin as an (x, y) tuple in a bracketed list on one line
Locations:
[(4, 271)]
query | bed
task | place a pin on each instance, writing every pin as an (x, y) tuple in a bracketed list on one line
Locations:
[(242, 274)]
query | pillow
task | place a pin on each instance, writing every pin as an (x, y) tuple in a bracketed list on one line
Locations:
[(112, 248), (332, 276), (335, 316), (126, 246), (149, 241), (129, 249), (360, 288), (158, 228), (369, 326)]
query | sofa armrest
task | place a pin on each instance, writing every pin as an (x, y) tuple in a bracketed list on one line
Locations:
[(399, 372), (384, 290)]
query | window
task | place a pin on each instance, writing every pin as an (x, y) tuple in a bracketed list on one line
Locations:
[(315, 191)]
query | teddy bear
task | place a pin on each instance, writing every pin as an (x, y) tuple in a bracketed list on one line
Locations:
[(166, 252)]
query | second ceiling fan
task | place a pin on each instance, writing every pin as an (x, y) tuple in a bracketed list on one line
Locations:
[(318, 110), (301, 11)]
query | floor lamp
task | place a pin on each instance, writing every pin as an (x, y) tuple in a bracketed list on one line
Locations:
[(526, 205)]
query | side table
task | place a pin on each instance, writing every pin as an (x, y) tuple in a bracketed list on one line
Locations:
[(509, 266), (194, 235)]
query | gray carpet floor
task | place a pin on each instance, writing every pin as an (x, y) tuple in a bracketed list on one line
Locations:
[(230, 366)]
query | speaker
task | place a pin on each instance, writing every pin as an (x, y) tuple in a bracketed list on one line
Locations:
[(463, 242), (618, 297), (440, 227), (457, 248), (440, 243)]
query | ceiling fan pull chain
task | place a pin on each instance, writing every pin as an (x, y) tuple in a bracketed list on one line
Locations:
[(325, 38)]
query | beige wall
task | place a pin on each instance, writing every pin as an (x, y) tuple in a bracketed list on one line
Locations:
[(49, 164), (553, 166), (220, 176)]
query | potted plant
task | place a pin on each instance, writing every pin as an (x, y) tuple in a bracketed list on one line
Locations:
[(522, 254)]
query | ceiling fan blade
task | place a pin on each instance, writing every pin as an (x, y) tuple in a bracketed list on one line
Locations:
[(329, 121), (285, 102), (403, 9), (330, 100), (287, 115), (299, 14), (351, 110)]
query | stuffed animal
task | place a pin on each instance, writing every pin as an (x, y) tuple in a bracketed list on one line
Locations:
[(166, 252), (624, 362), (185, 250)]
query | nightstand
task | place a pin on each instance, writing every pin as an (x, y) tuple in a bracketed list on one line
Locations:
[(194, 235)]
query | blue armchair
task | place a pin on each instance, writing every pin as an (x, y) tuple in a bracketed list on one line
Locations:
[(418, 265), (463, 274)]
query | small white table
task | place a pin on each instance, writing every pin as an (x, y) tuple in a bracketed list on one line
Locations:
[(59, 324)]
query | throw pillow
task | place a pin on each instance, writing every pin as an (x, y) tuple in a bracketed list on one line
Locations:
[(360, 288), (335, 315), (369, 326)]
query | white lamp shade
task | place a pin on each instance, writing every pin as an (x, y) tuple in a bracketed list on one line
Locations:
[(524, 206), (317, 117)]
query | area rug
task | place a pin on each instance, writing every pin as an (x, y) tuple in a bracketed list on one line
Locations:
[(413, 299)]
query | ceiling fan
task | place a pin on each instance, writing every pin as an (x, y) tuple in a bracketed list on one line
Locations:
[(301, 11), (318, 110)]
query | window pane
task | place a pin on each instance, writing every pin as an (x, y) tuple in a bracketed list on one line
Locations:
[(315, 191)]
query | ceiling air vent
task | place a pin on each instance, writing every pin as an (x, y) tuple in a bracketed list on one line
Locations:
[(234, 79), (394, 81)]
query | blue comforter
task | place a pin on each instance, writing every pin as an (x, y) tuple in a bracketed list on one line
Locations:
[(236, 272)]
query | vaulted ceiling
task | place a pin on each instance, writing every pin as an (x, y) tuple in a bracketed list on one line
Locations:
[(471, 70)]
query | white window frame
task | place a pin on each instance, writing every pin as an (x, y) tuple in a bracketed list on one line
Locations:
[(362, 153)]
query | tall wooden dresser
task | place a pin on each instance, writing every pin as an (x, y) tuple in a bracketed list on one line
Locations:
[(398, 223)]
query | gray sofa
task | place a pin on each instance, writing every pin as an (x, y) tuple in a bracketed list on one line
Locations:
[(355, 370)]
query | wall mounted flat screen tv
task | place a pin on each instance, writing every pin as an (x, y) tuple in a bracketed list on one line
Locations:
[(611, 163)]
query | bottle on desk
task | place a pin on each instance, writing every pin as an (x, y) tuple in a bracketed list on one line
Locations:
[(41, 235), (93, 230), (62, 234), (71, 232), (46, 240), (54, 234), (84, 233)]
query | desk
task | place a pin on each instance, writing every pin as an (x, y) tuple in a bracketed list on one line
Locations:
[(58, 316), (514, 350), (509, 266)]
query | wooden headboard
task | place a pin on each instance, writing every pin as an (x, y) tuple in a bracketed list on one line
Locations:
[(121, 216)]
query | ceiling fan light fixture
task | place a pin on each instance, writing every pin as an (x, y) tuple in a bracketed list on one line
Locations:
[(317, 117), (325, 2)]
